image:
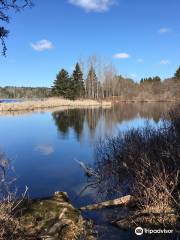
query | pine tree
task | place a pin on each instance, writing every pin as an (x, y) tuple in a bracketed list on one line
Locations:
[(78, 82), (142, 80), (157, 79), (92, 84), (61, 84), (177, 74)]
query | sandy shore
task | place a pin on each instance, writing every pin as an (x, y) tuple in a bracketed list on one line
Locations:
[(50, 103)]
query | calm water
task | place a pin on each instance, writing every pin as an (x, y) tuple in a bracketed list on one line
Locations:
[(10, 100), (43, 148)]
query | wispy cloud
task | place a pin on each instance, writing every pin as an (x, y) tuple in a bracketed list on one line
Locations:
[(121, 56), (133, 75), (164, 30), (93, 5), (164, 62), (42, 45), (44, 149), (140, 60)]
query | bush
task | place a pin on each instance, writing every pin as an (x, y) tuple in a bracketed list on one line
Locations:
[(143, 162)]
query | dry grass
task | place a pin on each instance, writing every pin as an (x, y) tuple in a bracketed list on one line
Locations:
[(10, 226), (157, 194), (50, 103), (145, 163)]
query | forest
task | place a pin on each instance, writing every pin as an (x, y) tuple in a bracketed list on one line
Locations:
[(100, 83), (24, 92), (97, 82)]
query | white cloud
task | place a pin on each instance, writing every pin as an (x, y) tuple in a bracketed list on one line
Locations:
[(164, 30), (121, 56), (140, 60), (164, 62), (133, 75), (44, 149), (42, 45), (93, 5)]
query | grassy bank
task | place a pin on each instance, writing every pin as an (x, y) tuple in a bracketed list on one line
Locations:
[(50, 103), (51, 218)]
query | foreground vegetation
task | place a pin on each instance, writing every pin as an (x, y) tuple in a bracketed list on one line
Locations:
[(53, 218), (146, 164), (7, 7)]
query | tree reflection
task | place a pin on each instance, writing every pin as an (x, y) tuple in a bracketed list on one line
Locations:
[(67, 119), (99, 122), (134, 154)]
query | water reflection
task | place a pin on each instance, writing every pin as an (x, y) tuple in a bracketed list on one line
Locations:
[(7, 178), (100, 122), (44, 149), (73, 118), (45, 160)]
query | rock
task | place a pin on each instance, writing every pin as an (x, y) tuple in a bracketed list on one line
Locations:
[(55, 218), (56, 228)]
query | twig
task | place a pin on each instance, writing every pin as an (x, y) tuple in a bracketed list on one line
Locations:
[(19, 202)]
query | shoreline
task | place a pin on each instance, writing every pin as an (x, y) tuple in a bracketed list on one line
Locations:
[(59, 103), (44, 218), (50, 103)]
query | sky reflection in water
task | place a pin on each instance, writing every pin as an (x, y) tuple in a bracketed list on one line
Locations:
[(43, 147)]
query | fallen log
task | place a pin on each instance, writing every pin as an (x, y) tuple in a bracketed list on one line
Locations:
[(122, 201)]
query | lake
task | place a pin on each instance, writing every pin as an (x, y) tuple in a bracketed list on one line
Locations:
[(43, 148), (10, 100)]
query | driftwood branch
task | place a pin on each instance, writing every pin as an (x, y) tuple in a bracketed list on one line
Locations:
[(87, 170), (14, 208), (123, 201)]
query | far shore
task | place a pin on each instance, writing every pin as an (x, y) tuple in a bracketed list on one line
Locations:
[(54, 103), (31, 105)]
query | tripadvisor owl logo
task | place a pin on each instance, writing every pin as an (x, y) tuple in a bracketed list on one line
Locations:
[(139, 231)]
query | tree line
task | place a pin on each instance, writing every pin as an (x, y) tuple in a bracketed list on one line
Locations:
[(71, 87), (158, 79), (150, 79), (90, 86), (24, 92), (75, 86), (96, 83)]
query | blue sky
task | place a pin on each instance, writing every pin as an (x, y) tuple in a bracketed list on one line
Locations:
[(140, 37)]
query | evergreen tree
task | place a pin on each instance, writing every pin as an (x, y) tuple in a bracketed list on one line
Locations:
[(92, 84), (78, 82), (151, 80), (177, 74), (142, 80), (157, 79), (61, 84)]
